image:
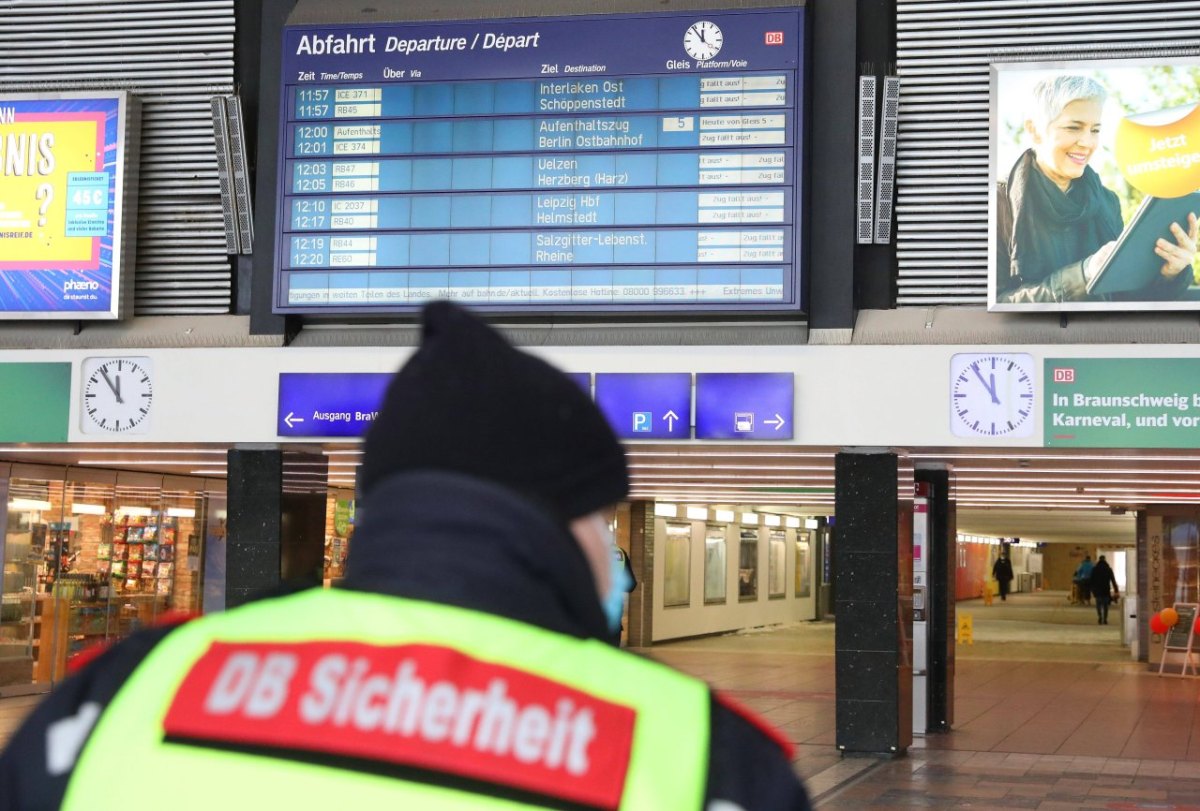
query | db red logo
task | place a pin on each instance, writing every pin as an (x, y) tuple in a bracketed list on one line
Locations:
[(773, 38), (1064, 375)]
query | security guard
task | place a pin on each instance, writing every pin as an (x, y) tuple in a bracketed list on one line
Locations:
[(461, 664)]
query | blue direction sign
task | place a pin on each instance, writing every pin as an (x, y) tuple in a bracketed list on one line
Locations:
[(646, 406), (340, 405), (583, 379), (744, 406)]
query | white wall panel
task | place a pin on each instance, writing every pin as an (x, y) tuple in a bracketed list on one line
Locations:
[(845, 395)]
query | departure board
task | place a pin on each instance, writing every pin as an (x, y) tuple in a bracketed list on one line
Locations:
[(619, 163)]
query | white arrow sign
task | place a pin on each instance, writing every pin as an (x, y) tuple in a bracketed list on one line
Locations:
[(670, 417), (777, 422), (291, 418)]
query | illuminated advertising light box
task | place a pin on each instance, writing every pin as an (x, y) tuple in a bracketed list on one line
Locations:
[(644, 163), (67, 204), (1094, 178)]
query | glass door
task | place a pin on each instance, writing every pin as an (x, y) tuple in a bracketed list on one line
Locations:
[(135, 596), (83, 585), (180, 551), (33, 549)]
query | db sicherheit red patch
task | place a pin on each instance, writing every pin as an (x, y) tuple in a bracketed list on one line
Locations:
[(421, 706)]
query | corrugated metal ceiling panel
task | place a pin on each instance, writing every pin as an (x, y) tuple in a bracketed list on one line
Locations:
[(944, 49), (173, 56)]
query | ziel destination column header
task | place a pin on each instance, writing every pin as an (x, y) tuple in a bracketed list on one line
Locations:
[(612, 163)]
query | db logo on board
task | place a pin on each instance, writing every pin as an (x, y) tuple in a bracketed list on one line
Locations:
[(1064, 375), (773, 38)]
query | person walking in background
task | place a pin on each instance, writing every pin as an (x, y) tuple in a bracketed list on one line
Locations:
[(464, 660), (1101, 578), (1002, 571), (1083, 581)]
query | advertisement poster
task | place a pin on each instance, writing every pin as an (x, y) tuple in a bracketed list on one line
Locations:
[(1122, 403), (1094, 181), (63, 204)]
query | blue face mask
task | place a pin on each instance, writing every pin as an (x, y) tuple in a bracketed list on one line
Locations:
[(618, 581)]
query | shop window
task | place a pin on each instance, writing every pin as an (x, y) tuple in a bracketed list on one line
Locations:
[(777, 564), (32, 554), (715, 569), (803, 565), (177, 577), (339, 529), (1181, 581), (677, 584), (748, 565), (89, 559)]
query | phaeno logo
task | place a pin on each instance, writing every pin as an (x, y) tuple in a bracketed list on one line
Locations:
[(416, 705), (81, 284)]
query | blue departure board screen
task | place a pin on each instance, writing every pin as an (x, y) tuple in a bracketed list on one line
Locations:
[(620, 163)]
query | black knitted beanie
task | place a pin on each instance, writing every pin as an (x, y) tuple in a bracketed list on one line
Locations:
[(468, 402)]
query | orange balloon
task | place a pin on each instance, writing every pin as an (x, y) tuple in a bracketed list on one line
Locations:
[(1169, 617)]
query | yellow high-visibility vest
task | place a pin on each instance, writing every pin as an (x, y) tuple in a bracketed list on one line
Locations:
[(332, 698)]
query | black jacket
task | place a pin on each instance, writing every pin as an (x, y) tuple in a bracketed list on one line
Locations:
[(1102, 578), (1002, 569), (449, 539)]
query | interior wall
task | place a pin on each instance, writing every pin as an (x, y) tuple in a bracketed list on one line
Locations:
[(698, 618), (1060, 561), (973, 567)]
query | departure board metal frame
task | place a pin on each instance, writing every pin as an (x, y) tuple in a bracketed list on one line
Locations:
[(634, 164)]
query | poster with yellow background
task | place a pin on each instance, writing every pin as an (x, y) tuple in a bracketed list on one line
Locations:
[(62, 171), (39, 158)]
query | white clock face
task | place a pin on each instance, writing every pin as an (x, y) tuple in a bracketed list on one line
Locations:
[(991, 395), (703, 40), (117, 395)]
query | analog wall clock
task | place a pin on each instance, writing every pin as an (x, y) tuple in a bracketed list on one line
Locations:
[(703, 40), (991, 395), (117, 395)]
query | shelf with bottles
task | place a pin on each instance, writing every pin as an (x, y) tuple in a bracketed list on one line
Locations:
[(59, 554)]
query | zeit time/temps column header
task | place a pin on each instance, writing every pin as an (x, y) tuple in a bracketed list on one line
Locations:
[(579, 164)]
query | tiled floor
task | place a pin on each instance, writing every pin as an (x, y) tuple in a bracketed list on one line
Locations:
[(1068, 722), (12, 711), (1052, 725), (984, 780)]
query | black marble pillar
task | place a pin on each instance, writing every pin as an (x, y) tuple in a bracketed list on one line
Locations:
[(641, 558), (276, 528), (873, 573), (940, 569)]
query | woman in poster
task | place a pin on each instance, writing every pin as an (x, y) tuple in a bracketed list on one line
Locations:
[(1057, 222)]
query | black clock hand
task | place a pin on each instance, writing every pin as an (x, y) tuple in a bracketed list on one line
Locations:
[(991, 388), (116, 390)]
